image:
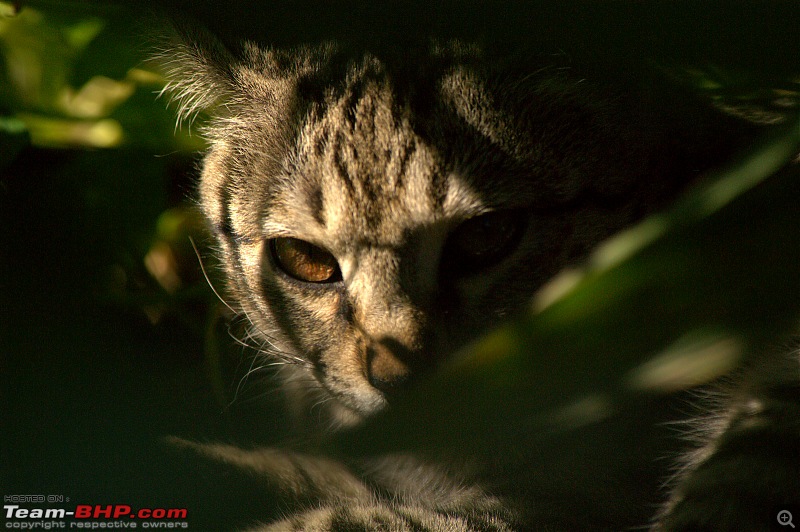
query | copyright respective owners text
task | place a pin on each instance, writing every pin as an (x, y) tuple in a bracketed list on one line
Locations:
[(57, 512)]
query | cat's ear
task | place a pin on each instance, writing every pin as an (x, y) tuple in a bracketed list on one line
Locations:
[(199, 69)]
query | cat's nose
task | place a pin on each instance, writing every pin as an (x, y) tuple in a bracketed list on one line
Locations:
[(385, 368)]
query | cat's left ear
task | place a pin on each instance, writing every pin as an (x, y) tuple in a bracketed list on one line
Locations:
[(199, 69)]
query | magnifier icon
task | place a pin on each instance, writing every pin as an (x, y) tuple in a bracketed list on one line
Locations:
[(785, 518)]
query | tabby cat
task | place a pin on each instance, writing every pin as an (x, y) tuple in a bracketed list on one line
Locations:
[(376, 211)]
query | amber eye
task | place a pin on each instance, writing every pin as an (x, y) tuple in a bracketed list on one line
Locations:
[(483, 240), (304, 261)]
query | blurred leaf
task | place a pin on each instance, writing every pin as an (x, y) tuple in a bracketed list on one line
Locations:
[(8, 9), (79, 35), (57, 132), (14, 137), (73, 75), (675, 302)]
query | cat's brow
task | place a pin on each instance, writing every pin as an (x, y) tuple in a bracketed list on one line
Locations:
[(315, 204)]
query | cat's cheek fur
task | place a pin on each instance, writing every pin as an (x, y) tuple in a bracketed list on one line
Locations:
[(213, 191), (329, 340)]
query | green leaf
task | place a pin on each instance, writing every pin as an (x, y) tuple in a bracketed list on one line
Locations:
[(8, 9)]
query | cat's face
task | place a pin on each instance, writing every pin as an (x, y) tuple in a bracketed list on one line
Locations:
[(375, 216)]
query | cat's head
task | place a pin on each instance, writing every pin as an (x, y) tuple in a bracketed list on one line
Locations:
[(375, 213)]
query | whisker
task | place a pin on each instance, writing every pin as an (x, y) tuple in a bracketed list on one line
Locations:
[(205, 274), (253, 369), (254, 339), (265, 393)]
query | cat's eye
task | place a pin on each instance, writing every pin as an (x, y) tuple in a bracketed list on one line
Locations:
[(305, 261), (484, 240)]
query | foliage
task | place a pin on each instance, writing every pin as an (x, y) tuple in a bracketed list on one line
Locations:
[(675, 302)]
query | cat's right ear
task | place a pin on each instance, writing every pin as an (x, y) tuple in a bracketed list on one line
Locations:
[(199, 70)]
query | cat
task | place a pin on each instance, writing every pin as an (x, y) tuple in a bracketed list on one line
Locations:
[(374, 212)]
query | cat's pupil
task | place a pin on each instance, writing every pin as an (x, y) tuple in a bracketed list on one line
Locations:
[(304, 261), (483, 240)]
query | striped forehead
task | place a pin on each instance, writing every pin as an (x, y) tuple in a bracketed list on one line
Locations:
[(363, 169)]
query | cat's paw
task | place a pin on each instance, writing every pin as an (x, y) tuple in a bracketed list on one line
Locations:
[(744, 476), (298, 477)]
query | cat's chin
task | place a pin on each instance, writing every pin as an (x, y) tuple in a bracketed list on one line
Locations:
[(358, 405), (352, 406), (344, 417), (328, 403), (347, 398)]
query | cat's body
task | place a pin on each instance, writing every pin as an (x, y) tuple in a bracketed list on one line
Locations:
[(376, 213)]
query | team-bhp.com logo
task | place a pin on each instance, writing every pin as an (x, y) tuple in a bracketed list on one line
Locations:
[(94, 516)]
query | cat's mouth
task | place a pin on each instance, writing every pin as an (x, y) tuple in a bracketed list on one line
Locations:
[(364, 376), (356, 395)]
